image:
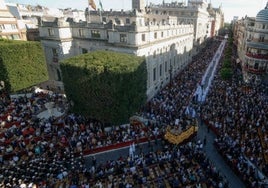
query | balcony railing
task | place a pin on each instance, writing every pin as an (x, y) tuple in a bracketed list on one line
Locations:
[(254, 71), (257, 56)]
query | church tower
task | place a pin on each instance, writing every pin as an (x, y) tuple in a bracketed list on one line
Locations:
[(138, 5)]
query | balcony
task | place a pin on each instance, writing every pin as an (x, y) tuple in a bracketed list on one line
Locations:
[(254, 71), (257, 56)]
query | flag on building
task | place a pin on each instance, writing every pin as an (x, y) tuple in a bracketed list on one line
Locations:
[(101, 7), (92, 4)]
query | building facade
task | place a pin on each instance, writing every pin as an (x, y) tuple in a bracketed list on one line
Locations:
[(9, 25), (138, 5), (207, 20), (167, 47), (168, 35), (251, 38)]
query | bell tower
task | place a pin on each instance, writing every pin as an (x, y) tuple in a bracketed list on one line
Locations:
[(138, 5)]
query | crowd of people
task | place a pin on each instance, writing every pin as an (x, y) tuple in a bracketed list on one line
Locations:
[(34, 149), (238, 113), (182, 166), (43, 152), (171, 102)]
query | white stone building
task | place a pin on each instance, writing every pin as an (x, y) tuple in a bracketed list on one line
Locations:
[(138, 5), (9, 25), (251, 38), (207, 20), (166, 46)]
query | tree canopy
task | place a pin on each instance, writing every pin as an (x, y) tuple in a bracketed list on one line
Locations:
[(22, 64), (105, 85)]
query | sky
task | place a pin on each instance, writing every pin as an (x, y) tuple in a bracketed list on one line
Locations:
[(231, 8)]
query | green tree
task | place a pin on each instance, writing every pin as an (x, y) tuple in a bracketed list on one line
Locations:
[(226, 73), (22, 64), (227, 63), (105, 85)]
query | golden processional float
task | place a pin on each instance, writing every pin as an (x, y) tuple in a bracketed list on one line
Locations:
[(175, 136)]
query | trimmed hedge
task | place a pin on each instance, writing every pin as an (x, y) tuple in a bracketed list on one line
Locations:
[(105, 85), (22, 64)]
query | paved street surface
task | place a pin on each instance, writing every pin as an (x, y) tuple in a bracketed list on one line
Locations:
[(123, 152), (216, 159)]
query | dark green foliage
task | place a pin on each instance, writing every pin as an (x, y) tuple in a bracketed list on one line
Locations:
[(105, 85), (230, 40), (22, 64), (227, 63), (228, 51), (226, 73)]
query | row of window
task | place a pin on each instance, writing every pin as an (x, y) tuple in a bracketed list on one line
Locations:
[(176, 13), (123, 37), (262, 26), (117, 20), (256, 63), (8, 26), (143, 37), (11, 37), (259, 26), (94, 33), (167, 68), (256, 66), (261, 38), (160, 70)]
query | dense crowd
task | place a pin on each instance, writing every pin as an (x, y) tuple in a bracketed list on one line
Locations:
[(44, 152), (170, 103), (34, 149), (183, 166), (238, 113)]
